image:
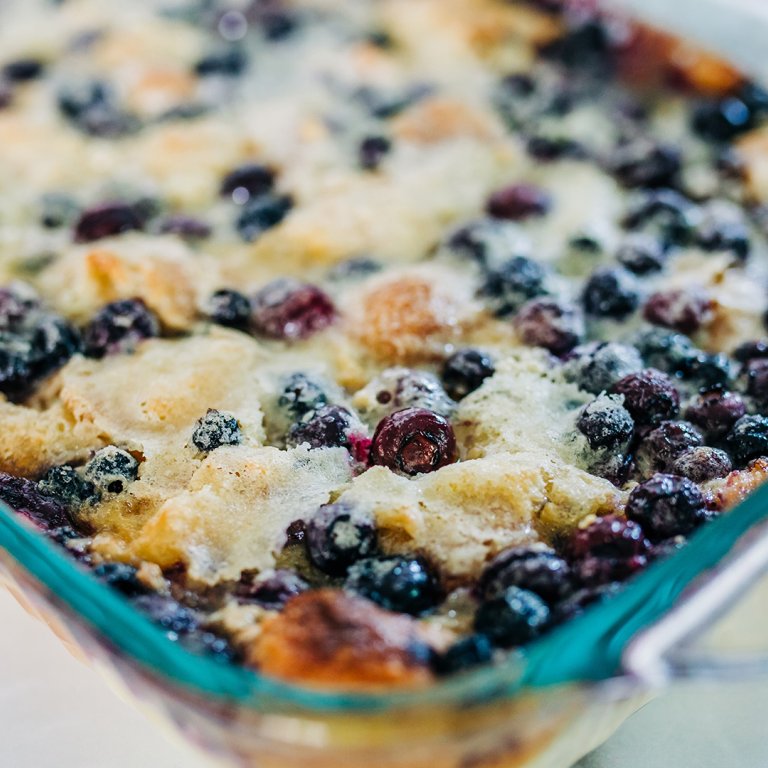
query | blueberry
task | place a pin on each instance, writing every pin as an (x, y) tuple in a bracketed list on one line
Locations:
[(410, 388), (205, 643), (492, 242), (748, 439), (667, 505), (722, 120), (464, 654), (597, 367), (464, 371), (665, 213), (579, 601), (167, 612), (260, 214), (518, 201), (397, 583), (554, 325), (608, 549), (215, 429), (372, 150), (288, 309), (510, 286), (702, 464), (659, 449), (270, 589), (754, 380), (119, 327), (413, 441), (549, 148), (610, 293), (641, 254), (64, 484), (540, 571), (330, 426), (91, 108), (121, 577), (356, 268), (513, 618), (707, 370), (681, 310), (715, 411), (726, 235), (750, 350), (246, 182), (643, 164), (227, 62), (106, 220), (25, 498), (672, 353), (186, 227), (338, 535), (23, 70), (111, 470), (649, 396), (301, 395), (229, 308), (606, 424)]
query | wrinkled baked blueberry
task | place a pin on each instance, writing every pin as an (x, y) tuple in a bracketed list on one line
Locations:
[(227, 62), (597, 367), (707, 370), (338, 535), (33, 343), (398, 583), (215, 429), (551, 324), (667, 505), (111, 470), (464, 371), (509, 287), (288, 309), (119, 327), (246, 182), (467, 653), (301, 395), (659, 449), (271, 589), (609, 549), (167, 612), (748, 439), (519, 201), (413, 441), (649, 395), (702, 464), (488, 242), (106, 220), (513, 618), (680, 310), (121, 577), (606, 424), (260, 214), (329, 427), (25, 498), (754, 380), (66, 485), (641, 254), (538, 570), (610, 293), (715, 411), (372, 150), (229, 308)]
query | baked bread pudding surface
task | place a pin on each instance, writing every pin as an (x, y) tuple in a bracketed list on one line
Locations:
[(360, 342)]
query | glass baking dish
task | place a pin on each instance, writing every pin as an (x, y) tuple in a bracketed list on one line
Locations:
[(544, 708)]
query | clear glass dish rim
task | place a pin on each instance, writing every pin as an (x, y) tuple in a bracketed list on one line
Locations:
[(587, 649)]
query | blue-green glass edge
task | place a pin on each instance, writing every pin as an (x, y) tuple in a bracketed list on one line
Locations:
[(586, 649)]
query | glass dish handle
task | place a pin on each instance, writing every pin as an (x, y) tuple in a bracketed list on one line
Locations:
[(670, 649)]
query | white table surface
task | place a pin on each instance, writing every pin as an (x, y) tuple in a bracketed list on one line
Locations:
[(57, 713)]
